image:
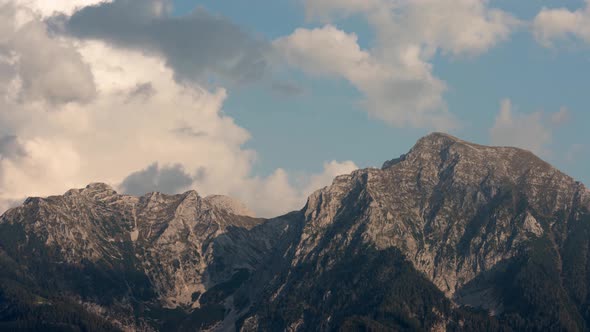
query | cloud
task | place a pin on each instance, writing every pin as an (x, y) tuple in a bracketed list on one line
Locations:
[(533, 131), (430, 24), (42, 66), (269, 196), (560, 117), (10, 147), (114, 135), (405, 95), (142, 130), (396, 74), (142, 90), (280, 192), (561, 23), (331, 170), (47, 8), (196, 46), (168, 179)]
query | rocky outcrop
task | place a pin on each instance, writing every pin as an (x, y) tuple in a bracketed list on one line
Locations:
[(163, 245)]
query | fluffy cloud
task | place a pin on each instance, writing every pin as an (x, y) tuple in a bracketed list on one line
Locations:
[(400, 95), (40, 67), (532, 131), (195, 46), (279, 192), (455, 27), (331, 170), (167, 179), (553, 24), (10, 147), (52, 7), (139, 129), (396, 75)]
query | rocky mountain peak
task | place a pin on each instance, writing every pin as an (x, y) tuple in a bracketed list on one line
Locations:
[(438, 192), (442, 153), (99, 186), (439, 139), (430, 146), (95, 190), (229, 204)]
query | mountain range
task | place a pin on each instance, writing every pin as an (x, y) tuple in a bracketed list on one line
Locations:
[(452, 236)]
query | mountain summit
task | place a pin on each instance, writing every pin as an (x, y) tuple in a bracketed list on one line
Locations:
[(450, 236)]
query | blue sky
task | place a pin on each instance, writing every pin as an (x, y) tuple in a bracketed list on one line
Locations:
[(325, 122), (267, 101)]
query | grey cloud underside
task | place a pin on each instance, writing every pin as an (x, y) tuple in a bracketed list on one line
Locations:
[(197, 46), (47, 70), (10, 147), (142, 91), (168, 179)]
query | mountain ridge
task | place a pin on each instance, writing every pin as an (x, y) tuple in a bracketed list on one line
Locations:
[(464, 230)]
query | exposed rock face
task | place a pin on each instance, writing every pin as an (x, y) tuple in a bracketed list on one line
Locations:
[(229, 204), (455, 209), (462, 214), (168, 235), (448, 226), (163, 243)]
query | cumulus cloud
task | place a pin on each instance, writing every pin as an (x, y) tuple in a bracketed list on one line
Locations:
[(42, 66), (552, 24), (10, 147), (196, 45), (396, 75), (456, 27), (168, 179), (532, 131), (48, 8), (121, 131), (404, 95), (141, 130), (331, 170), (280, 192)]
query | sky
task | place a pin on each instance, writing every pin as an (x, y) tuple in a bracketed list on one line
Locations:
[(267, 101)]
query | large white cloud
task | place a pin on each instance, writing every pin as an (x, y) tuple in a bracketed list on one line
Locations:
[(560, 23), (396, 74), (137, 123)]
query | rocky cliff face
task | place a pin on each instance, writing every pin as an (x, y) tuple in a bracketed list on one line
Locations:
[(159, 249), (455, 209), (437, 239)]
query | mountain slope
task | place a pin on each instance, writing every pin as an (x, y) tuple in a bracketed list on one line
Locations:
[(491, 228), (450, 236), (118, 253)]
